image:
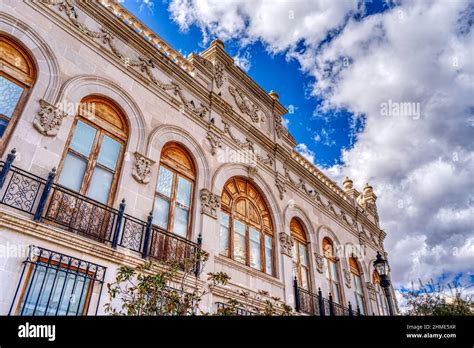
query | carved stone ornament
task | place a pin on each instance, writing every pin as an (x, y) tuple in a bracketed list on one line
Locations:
[(371, 290), (347, 277), (210, 203), (49, 119), (319, 262), (215, 140), (286, 244), (141, 171), (280, 185), (219, 74), (244, 104)]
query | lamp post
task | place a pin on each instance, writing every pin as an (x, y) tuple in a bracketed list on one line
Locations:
[(381, 266)]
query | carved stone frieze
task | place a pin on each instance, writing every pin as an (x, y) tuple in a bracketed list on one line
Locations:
[(244, 104)]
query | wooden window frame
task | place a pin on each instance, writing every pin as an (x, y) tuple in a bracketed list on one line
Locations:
[(263, 230), (21, 79), (102, 128), (333, 259), (298, 240), (177, 172), (379, 293), (60, 265), (356, 273)]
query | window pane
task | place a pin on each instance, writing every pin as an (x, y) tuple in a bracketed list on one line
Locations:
[(83, 138), (3, 126), (254, 248), (10, 93), (180, 221), (334, 272), (335, 294), (183, 194), (52, 291), (224, 234), (109, 152), (268, 255), (160, 212), (73, 171), (304, 278), (99, 187), (303, 259), (239, 241), (165, 181)]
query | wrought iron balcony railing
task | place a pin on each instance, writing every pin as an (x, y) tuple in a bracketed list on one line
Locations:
[(315, 304), (50, 202), (226, 309)]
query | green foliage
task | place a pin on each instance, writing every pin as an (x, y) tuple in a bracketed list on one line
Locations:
[(435, 300)]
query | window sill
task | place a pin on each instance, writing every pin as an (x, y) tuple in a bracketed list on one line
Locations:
[(248, 270)]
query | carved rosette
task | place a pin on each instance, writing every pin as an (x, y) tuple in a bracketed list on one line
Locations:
[(49, 119), (210, 203), (141, 171), (371, 290), (347, 277), (319, 262), (286, 244)]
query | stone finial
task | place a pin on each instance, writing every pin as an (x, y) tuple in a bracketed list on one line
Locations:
[(348, 184), (274, 95), (368, 194)]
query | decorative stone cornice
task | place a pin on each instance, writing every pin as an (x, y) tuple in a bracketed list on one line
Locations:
[(143, 64), (244, 104), (347, 277), (49, 118), (286, 243), (210, 203), (141, 171), (319, 262)]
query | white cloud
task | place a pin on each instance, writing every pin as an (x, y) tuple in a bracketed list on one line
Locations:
[(305, 152), (418, 52), (243, 61)]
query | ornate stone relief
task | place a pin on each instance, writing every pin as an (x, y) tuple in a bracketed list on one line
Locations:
[(218, 73), (141, 171), (144, 65), (280, 184), (371, 290), (215, 140), (210, 203), (248, 144), (49, 119), (286, 243), (347, 277), (244, 104), (319, 262)]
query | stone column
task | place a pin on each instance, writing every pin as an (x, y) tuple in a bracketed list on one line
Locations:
[(286, 245)]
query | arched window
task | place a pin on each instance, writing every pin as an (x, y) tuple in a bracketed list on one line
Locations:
[(17, 76), (358, 291), (332, 270), (379, 295), (94, 151), (300, 254), (246, 231), (174, 190)]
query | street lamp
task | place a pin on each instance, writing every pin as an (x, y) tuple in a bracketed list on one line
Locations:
[(381, 266)]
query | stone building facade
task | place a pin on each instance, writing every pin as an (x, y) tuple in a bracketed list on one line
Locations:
[(91, 91)]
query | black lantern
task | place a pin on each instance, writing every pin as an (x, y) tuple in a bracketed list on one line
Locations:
[(381, 266)]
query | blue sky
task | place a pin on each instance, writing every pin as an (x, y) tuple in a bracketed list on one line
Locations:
[(325, 134), (335, 64)]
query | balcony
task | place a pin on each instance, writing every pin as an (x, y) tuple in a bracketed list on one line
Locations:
[(51, 203), (315, 304)]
